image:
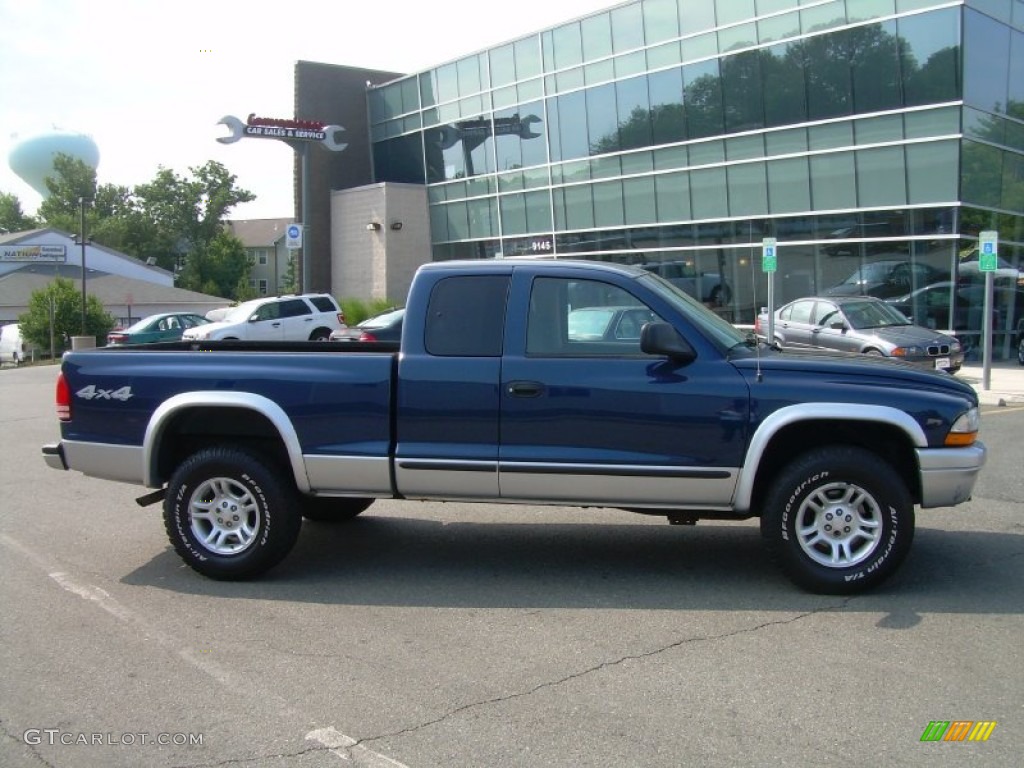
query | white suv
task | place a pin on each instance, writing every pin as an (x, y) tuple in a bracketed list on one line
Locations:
[(309, 317)]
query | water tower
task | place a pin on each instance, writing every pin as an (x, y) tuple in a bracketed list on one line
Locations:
[(32, 158)]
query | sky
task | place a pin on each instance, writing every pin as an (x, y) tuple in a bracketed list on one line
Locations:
[(148, 80)]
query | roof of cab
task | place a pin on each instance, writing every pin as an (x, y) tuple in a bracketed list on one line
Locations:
[(500, 265)]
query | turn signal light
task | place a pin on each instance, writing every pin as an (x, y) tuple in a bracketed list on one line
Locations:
[(965, 429)]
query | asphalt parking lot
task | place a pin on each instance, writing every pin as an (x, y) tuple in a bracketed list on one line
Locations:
[(430, 635)]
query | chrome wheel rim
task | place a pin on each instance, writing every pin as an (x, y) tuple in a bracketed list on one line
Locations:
[(839, 525), (224, 516)]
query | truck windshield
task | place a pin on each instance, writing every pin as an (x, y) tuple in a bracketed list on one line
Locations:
[(720, 332)]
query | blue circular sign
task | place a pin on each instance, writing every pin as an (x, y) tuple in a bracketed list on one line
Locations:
[(293, 230)]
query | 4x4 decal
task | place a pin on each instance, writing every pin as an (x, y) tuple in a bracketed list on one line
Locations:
[(92, 392)]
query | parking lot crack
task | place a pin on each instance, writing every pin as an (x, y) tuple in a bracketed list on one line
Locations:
[(455, 712)]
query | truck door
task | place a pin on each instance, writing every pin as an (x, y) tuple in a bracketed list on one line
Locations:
[(587, 417), (447, 403)]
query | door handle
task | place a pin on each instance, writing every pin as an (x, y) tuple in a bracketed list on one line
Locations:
[(525, 388)]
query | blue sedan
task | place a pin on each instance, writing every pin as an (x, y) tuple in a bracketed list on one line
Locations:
[(167, 326)]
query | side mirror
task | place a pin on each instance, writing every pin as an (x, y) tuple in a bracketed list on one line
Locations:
[(838, 325), (663, 339)]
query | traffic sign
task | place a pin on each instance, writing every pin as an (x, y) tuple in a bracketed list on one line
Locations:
[(293, 236), (769, 256), (988, 247)]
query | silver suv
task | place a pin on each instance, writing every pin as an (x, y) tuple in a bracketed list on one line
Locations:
[(309, 317)]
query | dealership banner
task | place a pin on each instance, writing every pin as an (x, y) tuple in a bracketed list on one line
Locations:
[(33, 253)]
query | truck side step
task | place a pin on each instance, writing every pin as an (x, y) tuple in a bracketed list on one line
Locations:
[(151, 498)]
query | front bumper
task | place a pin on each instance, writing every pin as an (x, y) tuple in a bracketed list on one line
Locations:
[(948, 475)]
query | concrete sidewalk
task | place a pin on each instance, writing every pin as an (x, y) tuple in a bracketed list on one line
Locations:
[(1006, 382)]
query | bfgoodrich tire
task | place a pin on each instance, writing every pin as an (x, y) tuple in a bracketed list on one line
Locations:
[(228, 516), (838, 520), (327, 509)]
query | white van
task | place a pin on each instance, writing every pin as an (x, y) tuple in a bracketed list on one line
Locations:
[(13, 348)]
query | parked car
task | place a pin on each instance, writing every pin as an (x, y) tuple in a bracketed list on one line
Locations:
[(870, 229), (608, 323), (166, 326), (887, 278), (387, 326), (862, 324), (930, 304), (969, 270), (307, 317), (13, 347), (708, 287)]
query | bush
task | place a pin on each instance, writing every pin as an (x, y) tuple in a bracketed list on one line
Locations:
[(357, 310), (61, 301)]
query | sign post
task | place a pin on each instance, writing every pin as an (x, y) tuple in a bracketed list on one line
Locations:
[(769, 263), (988, 260), (299, 135)]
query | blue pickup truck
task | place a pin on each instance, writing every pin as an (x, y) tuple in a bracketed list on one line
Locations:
[(524, 381)]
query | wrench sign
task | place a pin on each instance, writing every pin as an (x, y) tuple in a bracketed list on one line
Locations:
[(240, 130)]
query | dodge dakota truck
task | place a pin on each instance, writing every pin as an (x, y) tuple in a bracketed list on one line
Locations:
[(543, 382)]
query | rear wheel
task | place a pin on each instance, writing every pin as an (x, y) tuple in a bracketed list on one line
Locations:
[(320, 334), (227, 514), (838, 520), (328, 509), (1020, 350)]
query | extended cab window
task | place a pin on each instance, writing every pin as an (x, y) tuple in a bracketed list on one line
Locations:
[(466, 316), (584, 317)]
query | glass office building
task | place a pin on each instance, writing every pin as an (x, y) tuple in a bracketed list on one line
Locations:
[(874, 139)]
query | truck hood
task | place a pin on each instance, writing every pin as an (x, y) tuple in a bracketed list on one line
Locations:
[(851, 367)]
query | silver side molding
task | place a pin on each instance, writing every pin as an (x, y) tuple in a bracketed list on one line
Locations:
[(244, 400), (793, 414)]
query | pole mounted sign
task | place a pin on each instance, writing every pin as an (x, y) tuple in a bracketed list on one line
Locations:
[(285, 130), (300, 135), (769, 257), (988, 250)]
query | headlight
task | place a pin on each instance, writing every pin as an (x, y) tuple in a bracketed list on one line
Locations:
[(965, 429), (955, 346), (907, 352)]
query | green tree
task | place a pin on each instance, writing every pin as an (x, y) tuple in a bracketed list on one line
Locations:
[(217, 267), (12, 218), (176, 220), (71, 182), (190, 212), (290, 281), (60, 303)]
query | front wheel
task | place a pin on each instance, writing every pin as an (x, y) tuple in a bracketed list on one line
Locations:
[(838, 520), (227, 514), (1020, 351)]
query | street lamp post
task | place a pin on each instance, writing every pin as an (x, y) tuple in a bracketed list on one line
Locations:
[(81, 204)]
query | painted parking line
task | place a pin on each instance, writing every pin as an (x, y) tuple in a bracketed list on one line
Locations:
[(350, 750), (345, 747)]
